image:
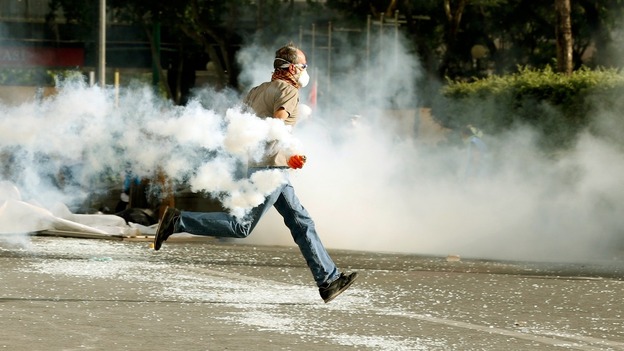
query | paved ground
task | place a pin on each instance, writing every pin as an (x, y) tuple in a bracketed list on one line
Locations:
[(88, 294)]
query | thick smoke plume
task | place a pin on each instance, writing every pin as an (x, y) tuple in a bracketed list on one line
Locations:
[(80, 141), (371, 182)]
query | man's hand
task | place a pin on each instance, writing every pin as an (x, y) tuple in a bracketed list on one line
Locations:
[(296, 161)]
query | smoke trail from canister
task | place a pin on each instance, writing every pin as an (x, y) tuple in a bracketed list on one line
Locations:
[(78, 142), (371, 183)]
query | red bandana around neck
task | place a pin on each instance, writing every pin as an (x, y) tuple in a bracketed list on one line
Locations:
[(286, 76)]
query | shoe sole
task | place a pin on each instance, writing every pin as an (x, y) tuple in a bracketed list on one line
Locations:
[(158, 232), (343, 288)]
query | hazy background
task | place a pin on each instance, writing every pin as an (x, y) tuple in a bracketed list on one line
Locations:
[(370, 187), (369, 183)]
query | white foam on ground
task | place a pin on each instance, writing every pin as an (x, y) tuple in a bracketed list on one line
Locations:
[(267, 305), (262, 304)]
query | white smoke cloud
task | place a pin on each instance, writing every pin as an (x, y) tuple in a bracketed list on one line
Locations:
[(79, 142), (369, 193), (369, 185), (374, 185)]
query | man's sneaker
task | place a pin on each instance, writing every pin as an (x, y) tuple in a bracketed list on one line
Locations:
[(166, 226), (336, 287)]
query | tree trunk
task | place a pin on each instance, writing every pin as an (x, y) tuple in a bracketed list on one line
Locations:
[(563, 32), (156, 58), (198, 33), (454, 11)]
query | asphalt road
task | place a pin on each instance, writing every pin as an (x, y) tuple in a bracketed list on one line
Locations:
[(89, 294)]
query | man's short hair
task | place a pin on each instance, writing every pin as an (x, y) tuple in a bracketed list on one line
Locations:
[(288, 53)]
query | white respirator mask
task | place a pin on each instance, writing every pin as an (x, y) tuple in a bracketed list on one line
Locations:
[(304, 79)]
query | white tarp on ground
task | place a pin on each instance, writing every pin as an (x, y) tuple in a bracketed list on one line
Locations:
[(19, 217)]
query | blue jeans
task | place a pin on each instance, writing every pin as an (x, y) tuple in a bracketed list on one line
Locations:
[(295, 216)]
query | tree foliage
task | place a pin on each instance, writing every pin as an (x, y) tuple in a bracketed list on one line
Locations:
[(514, 33), (208, 25), (556, 104)]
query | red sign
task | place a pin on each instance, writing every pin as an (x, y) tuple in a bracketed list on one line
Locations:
[(40, 56)]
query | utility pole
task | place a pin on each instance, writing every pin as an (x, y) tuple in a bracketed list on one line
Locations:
[(102, 45)]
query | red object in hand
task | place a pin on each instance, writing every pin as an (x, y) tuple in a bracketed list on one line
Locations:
[(296, 161)]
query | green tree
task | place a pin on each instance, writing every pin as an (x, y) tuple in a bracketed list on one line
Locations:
[(594, 23), (515, 32), (207, 24), (203, 22)]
